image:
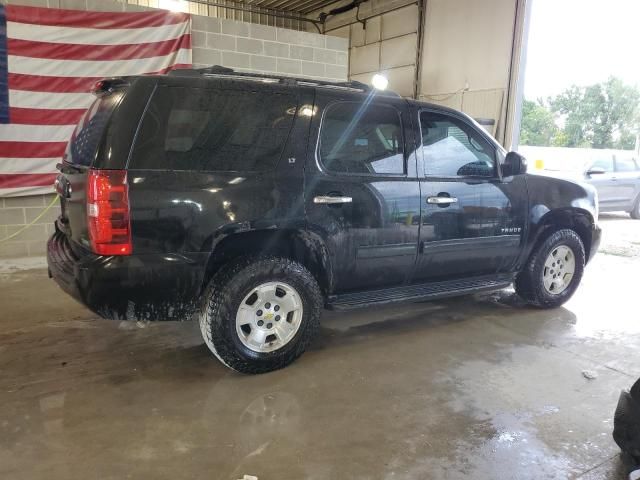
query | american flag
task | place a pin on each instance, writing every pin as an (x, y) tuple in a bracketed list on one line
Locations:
[(50, 59)]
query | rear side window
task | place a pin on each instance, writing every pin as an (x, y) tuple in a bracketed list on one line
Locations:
[(626, 165), (362, 139), (213, 130), (88, 134), (605, 163)]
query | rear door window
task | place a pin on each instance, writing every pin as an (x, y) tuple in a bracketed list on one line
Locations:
[(626, 165), (213, 130), (362, 139), (605, 163)]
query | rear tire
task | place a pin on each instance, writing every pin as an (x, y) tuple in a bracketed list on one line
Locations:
[(240, 320), (554, 270)]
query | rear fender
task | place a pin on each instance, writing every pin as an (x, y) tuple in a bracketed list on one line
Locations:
[(299, 245)]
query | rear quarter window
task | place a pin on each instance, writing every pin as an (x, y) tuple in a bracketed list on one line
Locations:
[(89, 132), (213, 130), (626, 165)]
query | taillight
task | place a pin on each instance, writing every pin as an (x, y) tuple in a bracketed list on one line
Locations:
[(108, 212)]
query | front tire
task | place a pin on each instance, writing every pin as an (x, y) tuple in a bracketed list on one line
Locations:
[(554, 270), (260, 314)]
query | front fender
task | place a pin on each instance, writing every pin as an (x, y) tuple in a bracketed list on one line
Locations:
[(547, 194), (556, 203)]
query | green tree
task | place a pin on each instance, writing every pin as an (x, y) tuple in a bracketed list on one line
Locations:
[(560, 139), (538, 125), (603, 115)]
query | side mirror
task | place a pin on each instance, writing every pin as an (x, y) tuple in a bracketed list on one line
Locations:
[(514, 164), (596, 171)]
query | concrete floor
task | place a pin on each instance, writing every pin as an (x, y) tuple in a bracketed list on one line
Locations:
[(475, 388)]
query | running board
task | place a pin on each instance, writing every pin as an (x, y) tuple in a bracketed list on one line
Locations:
[(412, 293)]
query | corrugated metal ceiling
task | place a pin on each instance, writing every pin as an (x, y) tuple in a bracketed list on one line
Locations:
[(302, 7)]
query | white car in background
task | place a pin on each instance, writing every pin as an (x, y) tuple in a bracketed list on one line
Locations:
[(614, 173)]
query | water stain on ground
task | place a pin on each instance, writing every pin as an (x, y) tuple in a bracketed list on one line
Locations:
[(474, 387)]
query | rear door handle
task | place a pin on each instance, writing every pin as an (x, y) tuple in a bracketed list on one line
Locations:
[(330, 200), (441, 200)]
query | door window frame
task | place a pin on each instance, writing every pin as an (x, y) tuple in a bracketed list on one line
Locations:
[(326, 171), (497, 174)]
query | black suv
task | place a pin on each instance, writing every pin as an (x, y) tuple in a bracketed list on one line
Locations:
[(253, 201)]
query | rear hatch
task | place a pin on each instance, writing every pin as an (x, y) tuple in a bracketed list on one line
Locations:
[(94, 164)]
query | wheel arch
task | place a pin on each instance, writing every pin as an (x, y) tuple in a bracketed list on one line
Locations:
[(576, 219), (301, 246)]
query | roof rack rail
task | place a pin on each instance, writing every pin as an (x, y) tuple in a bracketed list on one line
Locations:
[(218, 70)]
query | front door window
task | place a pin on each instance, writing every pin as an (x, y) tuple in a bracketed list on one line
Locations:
[(453, 149)]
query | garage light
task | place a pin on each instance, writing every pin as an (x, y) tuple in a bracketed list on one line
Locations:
[(379, 82), (174, 5)]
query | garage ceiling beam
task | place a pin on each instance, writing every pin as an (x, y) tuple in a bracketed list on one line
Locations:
[(301, 7), (242, 7), (339, 21)]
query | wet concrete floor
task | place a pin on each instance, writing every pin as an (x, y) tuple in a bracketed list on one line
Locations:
[(477, 387)]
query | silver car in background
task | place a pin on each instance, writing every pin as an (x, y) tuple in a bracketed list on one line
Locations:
[(618, 183), (614, 173)]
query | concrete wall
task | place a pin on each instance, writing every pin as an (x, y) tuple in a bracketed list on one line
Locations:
[(15, 213), (259, 48), (469, 56), (386, 42), (242, 46)]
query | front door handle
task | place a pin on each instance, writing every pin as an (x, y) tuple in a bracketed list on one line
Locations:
[(331, 200), (441, 200)]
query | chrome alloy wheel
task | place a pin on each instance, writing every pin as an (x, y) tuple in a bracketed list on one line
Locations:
[(559, 268), (269, 317)]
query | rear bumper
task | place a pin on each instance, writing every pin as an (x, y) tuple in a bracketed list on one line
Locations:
[(135, 287)]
